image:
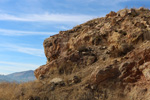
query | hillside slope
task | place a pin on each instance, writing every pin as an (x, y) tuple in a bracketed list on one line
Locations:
[(24, 76), (106, 58), (4, 78)]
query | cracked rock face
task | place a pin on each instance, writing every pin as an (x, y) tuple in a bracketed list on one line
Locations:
[(109, 52)]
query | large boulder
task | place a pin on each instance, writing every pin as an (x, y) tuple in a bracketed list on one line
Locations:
[(102, 74)]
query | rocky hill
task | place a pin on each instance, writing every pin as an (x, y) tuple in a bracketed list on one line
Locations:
[(103, 59), (106, 58)]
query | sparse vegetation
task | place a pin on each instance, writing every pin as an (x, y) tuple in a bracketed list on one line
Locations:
[(15, 91)]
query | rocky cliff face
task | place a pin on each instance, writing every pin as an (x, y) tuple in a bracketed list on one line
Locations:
[(106, 58)]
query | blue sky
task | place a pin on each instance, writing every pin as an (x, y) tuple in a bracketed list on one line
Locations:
[(26, 23)]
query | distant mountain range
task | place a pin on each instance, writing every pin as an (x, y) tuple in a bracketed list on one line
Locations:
[(24, 76)]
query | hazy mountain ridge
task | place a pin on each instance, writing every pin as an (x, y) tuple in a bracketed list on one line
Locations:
[(24, 76), (4, 78)]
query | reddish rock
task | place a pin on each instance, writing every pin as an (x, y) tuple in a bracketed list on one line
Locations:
[(111, 14), (102, 74)]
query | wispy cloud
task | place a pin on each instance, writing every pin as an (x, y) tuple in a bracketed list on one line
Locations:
[(24, 65), (10, 67), (23, 33), (105, 2), (46, 17), (22, 49), (62, 27), (121, 1)]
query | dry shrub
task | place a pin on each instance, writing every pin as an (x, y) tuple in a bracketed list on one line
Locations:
[(16, 91)]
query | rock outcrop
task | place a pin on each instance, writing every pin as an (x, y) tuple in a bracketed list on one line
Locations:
[(110, 56)]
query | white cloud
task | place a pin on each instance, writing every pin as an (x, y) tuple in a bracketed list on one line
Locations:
[(119, 1), (22, 49), (62, 27), (22, 33), (109, 2), (23, 65), (47, 17)]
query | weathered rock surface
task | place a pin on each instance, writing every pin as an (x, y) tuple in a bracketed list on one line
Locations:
[(107, 72), (111, 55)]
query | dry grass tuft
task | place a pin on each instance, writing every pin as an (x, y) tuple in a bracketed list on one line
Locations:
[(15, 91)]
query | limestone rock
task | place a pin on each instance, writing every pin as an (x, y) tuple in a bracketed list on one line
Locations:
[(145, 69), (122, 13), (56, 80)]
